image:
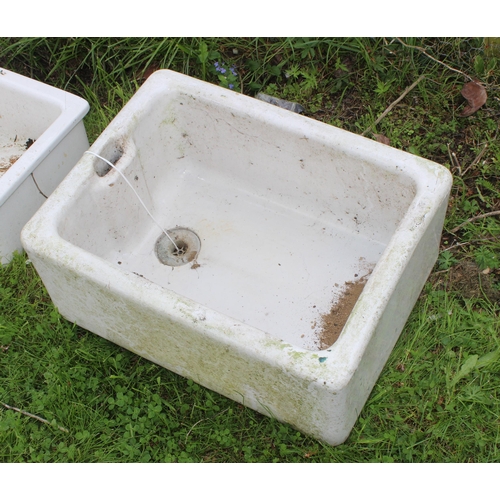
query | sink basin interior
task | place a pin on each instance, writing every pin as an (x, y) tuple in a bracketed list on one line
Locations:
[(286, 218), (24, 118)]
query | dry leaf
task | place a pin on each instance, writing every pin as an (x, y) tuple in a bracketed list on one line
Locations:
[(476, 96), (147, 72), (382, 138)]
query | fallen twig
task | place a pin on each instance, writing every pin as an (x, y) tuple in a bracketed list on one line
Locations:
[(391, 106), (441, 272), (433, 58), (37, 186), (464, 243), (454, 160), (40, 419), (472, 219), (477, 159)]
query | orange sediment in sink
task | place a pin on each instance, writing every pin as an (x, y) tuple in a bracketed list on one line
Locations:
[(333, 321)]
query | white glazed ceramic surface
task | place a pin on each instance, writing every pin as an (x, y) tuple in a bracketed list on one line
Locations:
[(52, 118), (288, 210)]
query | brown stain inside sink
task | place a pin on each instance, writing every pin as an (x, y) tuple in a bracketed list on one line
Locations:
[(7, 161), (333, 321)]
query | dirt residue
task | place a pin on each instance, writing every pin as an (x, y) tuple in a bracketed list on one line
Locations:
[(6, 163), (11, 152), (333, 322)]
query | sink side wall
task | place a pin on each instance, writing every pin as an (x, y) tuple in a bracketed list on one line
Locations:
[(273, 161), (183, 136), (404, 294)]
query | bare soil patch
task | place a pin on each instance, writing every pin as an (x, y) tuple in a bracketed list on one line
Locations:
[(468, 279)]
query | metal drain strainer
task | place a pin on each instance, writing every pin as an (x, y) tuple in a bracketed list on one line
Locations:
[(188, 247)]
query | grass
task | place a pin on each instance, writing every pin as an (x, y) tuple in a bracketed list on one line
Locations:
[(438, 398)]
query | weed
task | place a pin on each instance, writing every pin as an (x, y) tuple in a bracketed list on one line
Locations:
[(227, 75), (486, 258), (383, 87), (446, 260)]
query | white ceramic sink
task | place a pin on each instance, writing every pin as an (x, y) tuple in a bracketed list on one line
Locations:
[(42, 136), (293, 217)]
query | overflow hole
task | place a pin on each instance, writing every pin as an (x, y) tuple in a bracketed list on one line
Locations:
[(113, 156)]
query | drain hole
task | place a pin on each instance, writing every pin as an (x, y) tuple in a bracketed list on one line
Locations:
[(181, 249), (188, 247)]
